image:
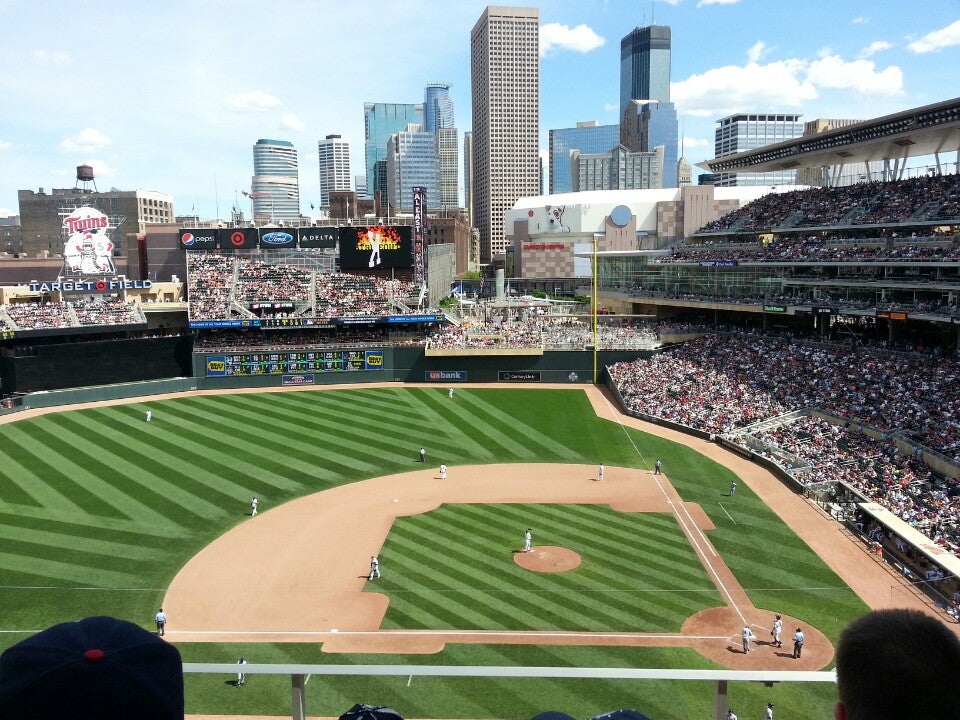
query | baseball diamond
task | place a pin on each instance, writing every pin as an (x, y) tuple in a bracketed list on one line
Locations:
[(667, 563)]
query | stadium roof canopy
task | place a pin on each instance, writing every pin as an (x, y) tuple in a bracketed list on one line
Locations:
[(891, 139)]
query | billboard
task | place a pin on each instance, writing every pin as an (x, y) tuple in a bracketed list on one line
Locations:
[(376, 246), (237, 238), (317, 237), (419, 217), (278, 239), (199, 240), (88, 249)]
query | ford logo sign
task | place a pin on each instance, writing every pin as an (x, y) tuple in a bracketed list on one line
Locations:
[(277, 238)]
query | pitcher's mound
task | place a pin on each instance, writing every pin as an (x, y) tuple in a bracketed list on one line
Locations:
[(547, 558)]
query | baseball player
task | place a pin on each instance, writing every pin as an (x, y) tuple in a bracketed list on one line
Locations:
[(374, 568), (656, 467), (241, 675), (254, 504), (733, 487), (746, 635), (450, 394), (149, 415), (423, 455), (777, 629), (768, 715), (600, 472), (161, 618), (527, 539), (797, 643), (731, 715), (443, 472)]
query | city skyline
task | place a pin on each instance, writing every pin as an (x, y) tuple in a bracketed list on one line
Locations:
[(176, 106)]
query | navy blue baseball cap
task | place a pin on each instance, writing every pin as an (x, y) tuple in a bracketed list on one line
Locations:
[(93, 669)]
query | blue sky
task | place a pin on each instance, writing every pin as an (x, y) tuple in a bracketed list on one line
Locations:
[(171, 96)]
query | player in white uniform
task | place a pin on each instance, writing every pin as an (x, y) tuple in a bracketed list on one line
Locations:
[(374, 568), (450, 394), (600, 472), (241, 675), (527, 539), (443, 472), (149, 415), (777, 629), (254, 504), (746, 635)]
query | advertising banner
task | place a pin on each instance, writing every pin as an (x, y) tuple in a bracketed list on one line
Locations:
[(515, 376), (317, 237), (277, 238), (375, 246), (237, 238), (198, 240), (445, 376), (419, 218)]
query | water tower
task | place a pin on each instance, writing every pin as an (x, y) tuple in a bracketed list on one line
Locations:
[(85, 179)]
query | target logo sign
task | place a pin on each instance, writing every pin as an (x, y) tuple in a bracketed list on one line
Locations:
[(101, 285), (237, 238)]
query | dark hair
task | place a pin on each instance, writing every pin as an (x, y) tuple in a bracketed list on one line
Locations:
[(897, 664)]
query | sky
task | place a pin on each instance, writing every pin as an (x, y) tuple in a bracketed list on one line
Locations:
[(172, 96)]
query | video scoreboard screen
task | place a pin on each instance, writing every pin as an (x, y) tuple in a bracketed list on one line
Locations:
[(292, 363)]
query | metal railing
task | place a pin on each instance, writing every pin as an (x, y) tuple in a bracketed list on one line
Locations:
[(299, 675)]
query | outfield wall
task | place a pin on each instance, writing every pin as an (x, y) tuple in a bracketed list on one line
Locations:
[(216, 370)]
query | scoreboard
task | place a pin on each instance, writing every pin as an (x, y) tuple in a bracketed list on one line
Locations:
[(292, 363)]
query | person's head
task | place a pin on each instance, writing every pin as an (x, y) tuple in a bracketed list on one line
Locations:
[(97, 668), (896, 664)]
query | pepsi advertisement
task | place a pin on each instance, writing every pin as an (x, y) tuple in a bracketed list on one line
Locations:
[(198, 240), (371, 247)]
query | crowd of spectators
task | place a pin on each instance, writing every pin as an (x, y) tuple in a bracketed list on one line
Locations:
[(721, 383), (220, 284), (904, 484), (930, 198), (67, 314), (259, 341), (820, 249), (106, 312)]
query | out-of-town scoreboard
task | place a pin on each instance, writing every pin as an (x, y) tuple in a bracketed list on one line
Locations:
[(292, 363)]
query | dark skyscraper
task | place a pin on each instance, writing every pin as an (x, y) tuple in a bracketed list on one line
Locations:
[(645, 77), (645, 65)]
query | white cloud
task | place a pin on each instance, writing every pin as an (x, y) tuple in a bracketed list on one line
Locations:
[(5, 145), (937, 40), (292, 122), (582, 39), (725, 90), (692, 142), (58, 57), (875, 47), (860, 76), (6, 212), (100, 168), (702, 3), (756, 53), (611, 107), (253, 101), (86, 141), (859, 20), (780, 85)]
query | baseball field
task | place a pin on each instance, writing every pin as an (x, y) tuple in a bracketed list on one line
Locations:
[(104, 513)]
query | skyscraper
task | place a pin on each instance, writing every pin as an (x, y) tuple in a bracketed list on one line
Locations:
[(438, 119), (737, 133), (333, 155), (380, 121), (649, 124), (412, 161), (468, 176), (505, 79), (648, 118), (645, 65), (588, 138), (275, 185)]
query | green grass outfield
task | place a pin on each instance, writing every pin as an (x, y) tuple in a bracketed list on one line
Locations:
[(99, 510)]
